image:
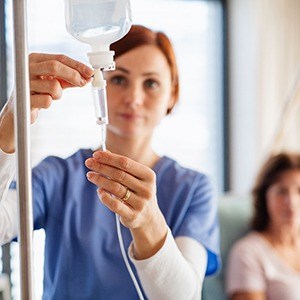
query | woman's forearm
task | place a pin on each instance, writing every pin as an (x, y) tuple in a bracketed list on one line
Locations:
[(175, 271), (8, 199), (7, 139), (148, 241)]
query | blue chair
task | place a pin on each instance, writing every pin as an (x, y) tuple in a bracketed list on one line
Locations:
[(234, 215)]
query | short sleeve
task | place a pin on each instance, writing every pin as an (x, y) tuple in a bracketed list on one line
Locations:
[(47, 182), (201, 221), (244, 268)]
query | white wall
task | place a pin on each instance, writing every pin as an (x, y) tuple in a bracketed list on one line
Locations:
[(264, 53), (242, 94)]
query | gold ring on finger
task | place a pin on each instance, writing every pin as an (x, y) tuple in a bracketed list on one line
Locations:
[(127, 195)]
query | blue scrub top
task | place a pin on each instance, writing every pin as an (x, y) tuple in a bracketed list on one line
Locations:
[(82, 254)]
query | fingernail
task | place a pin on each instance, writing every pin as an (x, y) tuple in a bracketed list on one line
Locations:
[(89, 72), (88, 162), (83, 82), (97, 154)]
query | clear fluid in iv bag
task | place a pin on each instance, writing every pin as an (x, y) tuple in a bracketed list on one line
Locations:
[(98, 21), (104, 33)]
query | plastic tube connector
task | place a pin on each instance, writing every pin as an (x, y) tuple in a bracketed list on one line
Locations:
[(100, 100), (103, 60), (98, 82)]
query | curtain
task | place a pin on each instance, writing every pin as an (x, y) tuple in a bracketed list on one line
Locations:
[(279, 75)]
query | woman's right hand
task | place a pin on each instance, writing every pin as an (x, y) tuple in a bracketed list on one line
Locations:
[(50, 74)]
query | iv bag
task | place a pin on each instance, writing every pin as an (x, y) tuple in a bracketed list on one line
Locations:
[(98, 23)]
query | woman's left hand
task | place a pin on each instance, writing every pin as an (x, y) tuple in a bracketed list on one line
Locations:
[(118, 178), (128, 188)]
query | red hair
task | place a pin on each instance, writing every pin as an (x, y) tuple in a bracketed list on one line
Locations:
[(140, 35)]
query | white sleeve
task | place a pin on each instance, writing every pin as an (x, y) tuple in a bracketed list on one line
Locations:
[(7, 172), (8, 199), (175, 272)]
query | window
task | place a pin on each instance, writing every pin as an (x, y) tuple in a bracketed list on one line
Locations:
[(192, 134)]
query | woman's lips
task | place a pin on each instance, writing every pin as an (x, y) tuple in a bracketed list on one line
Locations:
[(130, 116)]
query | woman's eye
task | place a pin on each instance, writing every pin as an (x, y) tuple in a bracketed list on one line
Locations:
[(150, 83), (119, 80), (282, 191)]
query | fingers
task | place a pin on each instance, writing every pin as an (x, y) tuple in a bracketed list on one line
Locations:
[(50, 74), (114, 174), (116, 206), (50, 87), (116, 181), (81, 68), (129, 215), (60, 66), (124, 163), (129, 177), (84, 70), (117, 190), (39, 101), (113, 187), (43, 92)]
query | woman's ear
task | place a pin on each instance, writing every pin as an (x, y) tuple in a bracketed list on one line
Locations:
[(172, 102)]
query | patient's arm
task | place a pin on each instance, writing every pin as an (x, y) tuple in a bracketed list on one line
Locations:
[(248, 296)]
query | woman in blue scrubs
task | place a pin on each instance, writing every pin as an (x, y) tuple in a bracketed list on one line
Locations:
[(168, 212)]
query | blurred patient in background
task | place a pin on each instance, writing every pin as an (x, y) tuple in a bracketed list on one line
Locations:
[(265, 264)]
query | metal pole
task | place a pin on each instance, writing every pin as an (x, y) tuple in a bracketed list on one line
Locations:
[(3, 69), (22, 134), (3, 98)]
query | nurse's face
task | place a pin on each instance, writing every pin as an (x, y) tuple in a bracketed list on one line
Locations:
[(139, 92), (283, 199)]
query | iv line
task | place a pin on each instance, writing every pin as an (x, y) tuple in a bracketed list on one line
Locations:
[(137, 287), (119, 232)]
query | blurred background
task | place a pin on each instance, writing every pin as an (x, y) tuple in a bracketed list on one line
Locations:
[(239, 66)]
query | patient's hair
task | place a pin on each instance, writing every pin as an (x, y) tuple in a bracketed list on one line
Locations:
[(269, 174)]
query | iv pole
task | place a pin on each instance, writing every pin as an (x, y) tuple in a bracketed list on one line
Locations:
[(22, 138)]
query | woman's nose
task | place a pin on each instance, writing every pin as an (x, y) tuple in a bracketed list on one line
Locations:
[(134, 96), (292, 198)]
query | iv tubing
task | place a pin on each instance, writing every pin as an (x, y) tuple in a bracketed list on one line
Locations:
[(120, 238), (137, 287), (119, 232)]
